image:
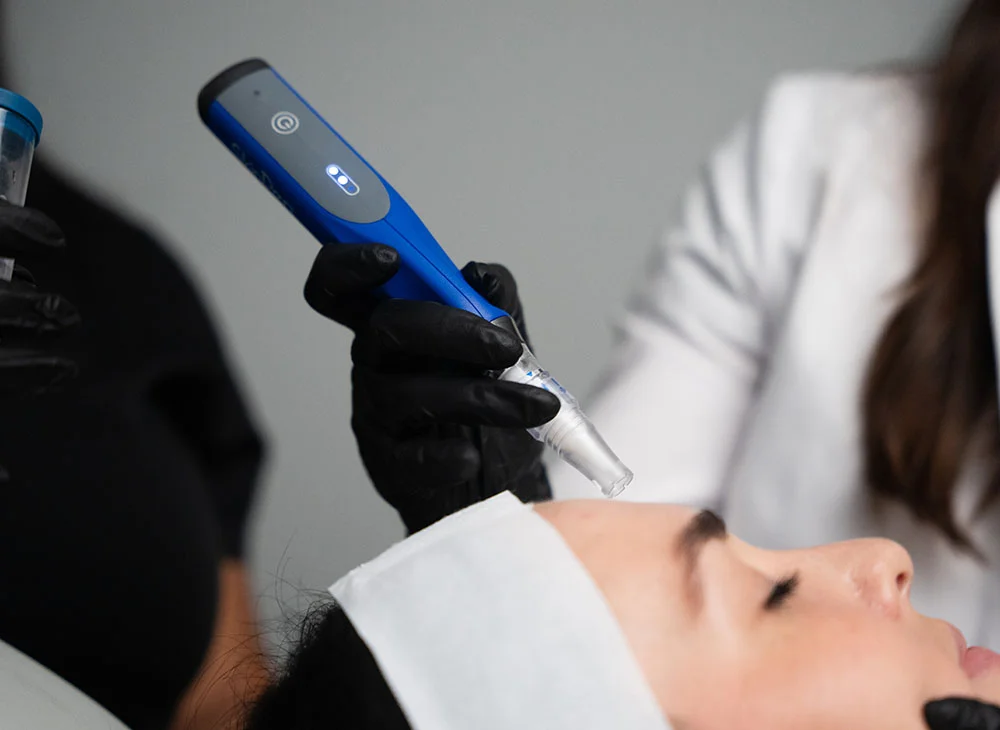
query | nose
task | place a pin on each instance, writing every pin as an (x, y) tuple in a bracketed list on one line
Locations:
[(881, 572)]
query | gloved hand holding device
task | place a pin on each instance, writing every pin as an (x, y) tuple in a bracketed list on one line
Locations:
[(442, 327), (434, 432)]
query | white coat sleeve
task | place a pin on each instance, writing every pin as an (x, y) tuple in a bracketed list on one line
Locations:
[(694, 341)]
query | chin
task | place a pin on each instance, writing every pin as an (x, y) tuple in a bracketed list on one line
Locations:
[(986, 687)]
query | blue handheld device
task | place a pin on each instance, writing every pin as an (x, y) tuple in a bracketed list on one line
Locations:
[(340, 198), (326, 184)]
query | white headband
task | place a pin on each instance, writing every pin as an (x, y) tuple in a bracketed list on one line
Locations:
[(487, 620)]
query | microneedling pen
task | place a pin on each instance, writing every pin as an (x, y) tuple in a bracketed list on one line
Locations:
[(338, 196)]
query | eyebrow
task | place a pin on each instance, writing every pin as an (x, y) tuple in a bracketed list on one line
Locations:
[(702, 529)]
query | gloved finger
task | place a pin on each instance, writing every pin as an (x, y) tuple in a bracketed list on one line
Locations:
[(496, 283), (25, 310), (27, 230), (21, 274), (524, 475), (405, 401), (400, 330), (957, 713), (418, 466), (340, 283), (26, 372)]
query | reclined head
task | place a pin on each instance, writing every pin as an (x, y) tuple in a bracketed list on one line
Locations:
[(581, 614)]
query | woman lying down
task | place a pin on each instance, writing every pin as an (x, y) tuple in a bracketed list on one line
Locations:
[(607, 615)]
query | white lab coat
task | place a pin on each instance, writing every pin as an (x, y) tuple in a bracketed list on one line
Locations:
[(737, 381)]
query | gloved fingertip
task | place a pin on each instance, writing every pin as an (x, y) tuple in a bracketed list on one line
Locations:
[(30, 224), (347, 270), (549, 404), (57, 312), (387, 256), (936, 713), (314, 291), (505, 348), (494, 282), (472, 272), (334, 258), (541, 407), (960, 714), (508, 405), (479, 277)]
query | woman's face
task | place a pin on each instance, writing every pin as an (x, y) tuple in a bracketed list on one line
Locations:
[(731, 636)]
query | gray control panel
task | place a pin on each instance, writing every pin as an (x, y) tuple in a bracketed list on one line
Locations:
[(305, 147)]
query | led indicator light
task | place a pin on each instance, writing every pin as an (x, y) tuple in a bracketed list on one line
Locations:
[(342, 179)]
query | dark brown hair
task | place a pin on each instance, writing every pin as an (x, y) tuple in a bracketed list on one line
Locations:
[(330, 680), (930, 402)]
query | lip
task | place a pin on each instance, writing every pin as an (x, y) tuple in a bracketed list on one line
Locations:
[(978, 661), (974, 660)]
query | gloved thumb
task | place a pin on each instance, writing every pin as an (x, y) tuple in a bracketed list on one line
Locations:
[(343, 274), (961, 714), (496, 283), (27, 230)]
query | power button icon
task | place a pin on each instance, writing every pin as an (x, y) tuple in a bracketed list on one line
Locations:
[(284, 123)]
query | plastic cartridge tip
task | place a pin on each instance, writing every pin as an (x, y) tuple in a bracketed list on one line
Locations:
[(583, 447)]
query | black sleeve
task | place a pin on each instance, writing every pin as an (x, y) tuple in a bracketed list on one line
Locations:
[(147, 327), (208, 414)]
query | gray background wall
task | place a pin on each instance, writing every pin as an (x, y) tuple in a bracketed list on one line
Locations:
[(551, 135)]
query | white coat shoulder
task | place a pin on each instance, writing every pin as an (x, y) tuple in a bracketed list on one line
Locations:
[(723, 271), (698, 331), (808, 128), (810, 110)]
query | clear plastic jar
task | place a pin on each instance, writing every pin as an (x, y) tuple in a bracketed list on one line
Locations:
[(20, 132)]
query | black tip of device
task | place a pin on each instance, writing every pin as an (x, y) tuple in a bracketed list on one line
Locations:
[(224, 80)]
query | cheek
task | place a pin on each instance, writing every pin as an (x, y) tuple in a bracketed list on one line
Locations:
[(644, 599), (863, 672), (856, 673)]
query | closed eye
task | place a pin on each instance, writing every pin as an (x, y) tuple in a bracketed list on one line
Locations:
[(781, 592)]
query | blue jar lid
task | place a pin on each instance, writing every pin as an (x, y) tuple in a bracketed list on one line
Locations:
[(20, 105)]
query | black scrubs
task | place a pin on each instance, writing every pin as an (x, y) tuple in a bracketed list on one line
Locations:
[(124, 491)]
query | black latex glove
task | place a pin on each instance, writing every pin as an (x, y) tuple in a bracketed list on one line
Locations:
[(34, 322), (434, 432), (961, 714)]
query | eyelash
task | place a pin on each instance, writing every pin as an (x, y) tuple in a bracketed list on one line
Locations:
[(781, 592)]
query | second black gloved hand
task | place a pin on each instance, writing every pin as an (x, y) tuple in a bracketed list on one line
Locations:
[(434, 432), (34, 321), (961, 714)]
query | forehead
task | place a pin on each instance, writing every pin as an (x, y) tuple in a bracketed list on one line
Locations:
[(619, 538), (607, 515), (630, 550)]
